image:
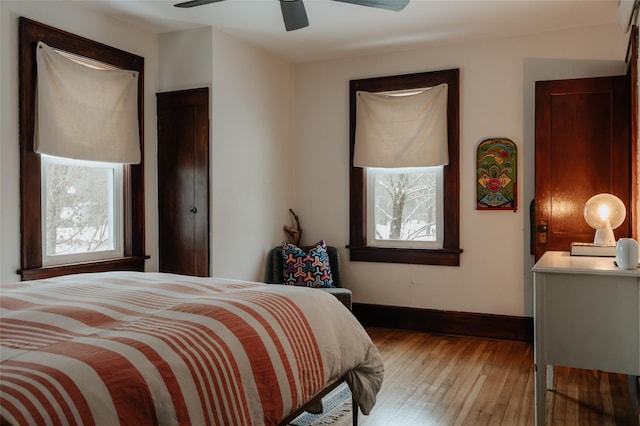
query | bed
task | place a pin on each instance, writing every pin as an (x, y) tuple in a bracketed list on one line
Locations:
[(155, 348)]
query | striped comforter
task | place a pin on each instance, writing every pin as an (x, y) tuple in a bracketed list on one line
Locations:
[(153, 348)]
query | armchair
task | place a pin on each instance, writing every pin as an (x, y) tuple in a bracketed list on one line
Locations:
[(274, 266)]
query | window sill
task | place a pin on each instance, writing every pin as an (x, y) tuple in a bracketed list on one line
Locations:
[(129, 263), (442, 257)]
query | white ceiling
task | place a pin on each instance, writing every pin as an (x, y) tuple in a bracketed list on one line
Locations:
[(338, 30)]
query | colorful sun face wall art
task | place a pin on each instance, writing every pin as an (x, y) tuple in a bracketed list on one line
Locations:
[(496, 175)]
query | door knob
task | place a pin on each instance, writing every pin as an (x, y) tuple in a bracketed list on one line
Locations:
[(193, 210), (542, 228)]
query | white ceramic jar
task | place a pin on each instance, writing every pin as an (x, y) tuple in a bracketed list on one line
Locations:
[(627, 253)]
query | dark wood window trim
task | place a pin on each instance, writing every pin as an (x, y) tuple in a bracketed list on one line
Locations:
[(30, 32), (449, 255), (632, 73)]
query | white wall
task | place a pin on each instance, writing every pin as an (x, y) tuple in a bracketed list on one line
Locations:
[(496, 99), (75, 19), (258, 172), (251, 152), (185, 59), (253, 177), (251, 130)]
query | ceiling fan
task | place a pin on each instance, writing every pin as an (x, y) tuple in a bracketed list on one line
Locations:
[(295, 16)]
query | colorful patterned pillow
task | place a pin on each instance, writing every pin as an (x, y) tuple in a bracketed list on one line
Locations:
[(306, 269)]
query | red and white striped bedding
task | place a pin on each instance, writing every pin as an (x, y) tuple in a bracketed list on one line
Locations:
[(153, 348)]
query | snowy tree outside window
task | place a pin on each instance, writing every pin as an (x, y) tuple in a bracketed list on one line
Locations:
[(405, 207), (81, 209)]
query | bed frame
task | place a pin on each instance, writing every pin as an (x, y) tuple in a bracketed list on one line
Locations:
[(317, 401)]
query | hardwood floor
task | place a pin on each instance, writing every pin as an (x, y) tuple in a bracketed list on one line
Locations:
[(444, 380)]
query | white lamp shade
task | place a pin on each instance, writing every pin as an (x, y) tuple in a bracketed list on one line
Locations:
[(604, 213)]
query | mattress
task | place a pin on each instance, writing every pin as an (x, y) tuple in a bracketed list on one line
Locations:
[(155, 348)]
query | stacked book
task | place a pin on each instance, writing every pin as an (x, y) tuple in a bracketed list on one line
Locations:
[(588, 249)]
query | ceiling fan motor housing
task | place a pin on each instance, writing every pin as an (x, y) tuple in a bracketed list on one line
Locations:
[(295, 15)]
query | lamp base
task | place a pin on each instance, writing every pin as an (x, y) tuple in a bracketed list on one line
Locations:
[(604, 237)]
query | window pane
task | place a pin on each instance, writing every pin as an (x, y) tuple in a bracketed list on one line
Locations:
[(405, 205), (80, 208)]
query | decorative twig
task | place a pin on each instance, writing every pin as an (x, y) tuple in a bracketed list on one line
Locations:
[(294, 234)]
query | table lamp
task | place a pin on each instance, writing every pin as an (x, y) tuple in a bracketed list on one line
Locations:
[(604, 213)]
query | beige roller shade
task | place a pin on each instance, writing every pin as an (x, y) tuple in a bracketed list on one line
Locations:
[(401, 130), (85, 113)]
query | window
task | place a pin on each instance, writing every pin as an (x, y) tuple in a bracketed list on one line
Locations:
[(127, 251), (81, 210), (407, 215), (405, 208)]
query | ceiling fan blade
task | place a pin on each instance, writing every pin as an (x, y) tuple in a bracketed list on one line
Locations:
[(395, 5), (194, 3), (294, 14)]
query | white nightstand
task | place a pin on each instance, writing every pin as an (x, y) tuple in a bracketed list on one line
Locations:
[(586, 315)]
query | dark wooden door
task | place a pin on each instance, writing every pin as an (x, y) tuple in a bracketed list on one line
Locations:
[(183, 181), (582, 148)]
